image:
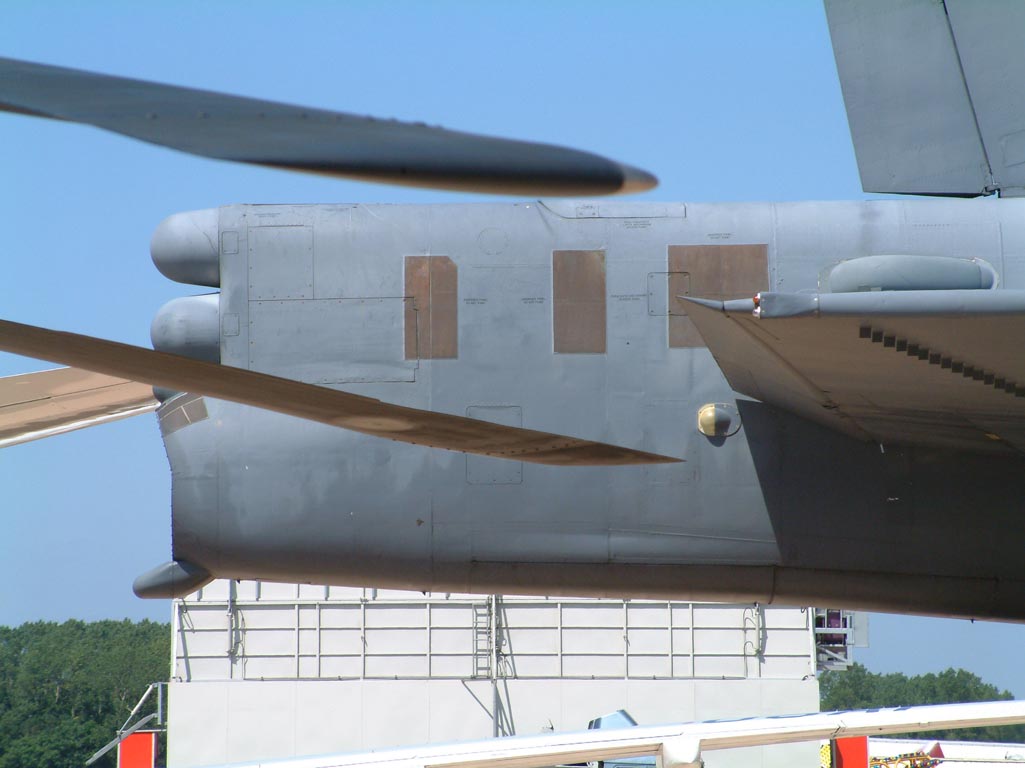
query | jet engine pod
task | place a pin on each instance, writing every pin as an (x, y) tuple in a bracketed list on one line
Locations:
[(906, 272), (184, 247), (190, 326)]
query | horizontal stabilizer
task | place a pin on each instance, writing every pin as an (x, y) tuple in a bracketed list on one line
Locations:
[(939, 368), (676, 745), (328, 406), (935, 93), (37, 405), (297, 138)]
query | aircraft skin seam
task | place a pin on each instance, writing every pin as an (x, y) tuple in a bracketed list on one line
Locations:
[(993, 184)]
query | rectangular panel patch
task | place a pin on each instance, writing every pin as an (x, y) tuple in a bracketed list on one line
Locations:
[(432, 320), (578, 305), (720, 272)]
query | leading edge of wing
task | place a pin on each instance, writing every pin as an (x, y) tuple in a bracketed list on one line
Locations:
[(267, 133), (328, 406), (676, 745)]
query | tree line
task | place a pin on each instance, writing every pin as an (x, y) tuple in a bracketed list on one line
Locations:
[(66, 688), (857, 688)]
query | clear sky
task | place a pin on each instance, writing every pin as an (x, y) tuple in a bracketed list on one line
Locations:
[(723, 100)]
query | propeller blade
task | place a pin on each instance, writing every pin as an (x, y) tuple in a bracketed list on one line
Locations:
[(328, 406), (279, 135), (47, 403)]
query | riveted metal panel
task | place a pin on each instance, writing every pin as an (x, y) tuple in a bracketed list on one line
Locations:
[(280, 263), (330, 341)]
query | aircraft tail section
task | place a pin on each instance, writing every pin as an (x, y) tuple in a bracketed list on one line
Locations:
[(933, 93)]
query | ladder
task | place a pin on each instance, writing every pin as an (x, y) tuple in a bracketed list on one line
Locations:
[(482, 639)]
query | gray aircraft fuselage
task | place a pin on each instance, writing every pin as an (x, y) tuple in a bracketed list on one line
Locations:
[(564, 317)]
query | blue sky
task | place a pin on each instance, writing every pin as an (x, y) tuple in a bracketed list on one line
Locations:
[(722, 100)]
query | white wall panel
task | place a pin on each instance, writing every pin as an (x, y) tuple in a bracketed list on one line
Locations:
[(648, 640), (718, 641), (451, 666), (594, 666), (260, 642), (719, 666), (526, 666), (334, 641), (454, 640), (396, 666), (531, 640), (596, 614), (647, 615), (332, 667), (395, 615), (593, 640), (531, 614), (649, 666), (279, 670), (396, 640), (451, 615), (340, 616)]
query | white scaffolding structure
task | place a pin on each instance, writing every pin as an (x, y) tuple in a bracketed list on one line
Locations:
[(270, 670)]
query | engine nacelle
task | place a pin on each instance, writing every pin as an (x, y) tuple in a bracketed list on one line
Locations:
[(189, 326), (185, 248), (909, 272)]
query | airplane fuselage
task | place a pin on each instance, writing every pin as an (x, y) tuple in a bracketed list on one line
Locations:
[(566, 317)]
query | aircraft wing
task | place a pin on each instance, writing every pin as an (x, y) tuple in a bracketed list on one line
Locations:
[(675, 745), (939, 368), (933, 93), (36, 405)]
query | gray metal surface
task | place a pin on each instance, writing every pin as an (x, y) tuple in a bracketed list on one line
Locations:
[(781, 511), (169, 579), (934, 93), (267, 133)]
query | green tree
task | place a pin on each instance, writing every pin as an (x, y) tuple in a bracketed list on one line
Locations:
[(66, 688), (857, 688)]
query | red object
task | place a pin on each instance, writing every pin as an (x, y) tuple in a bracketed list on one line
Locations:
[(137, 750), (851, 752)]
